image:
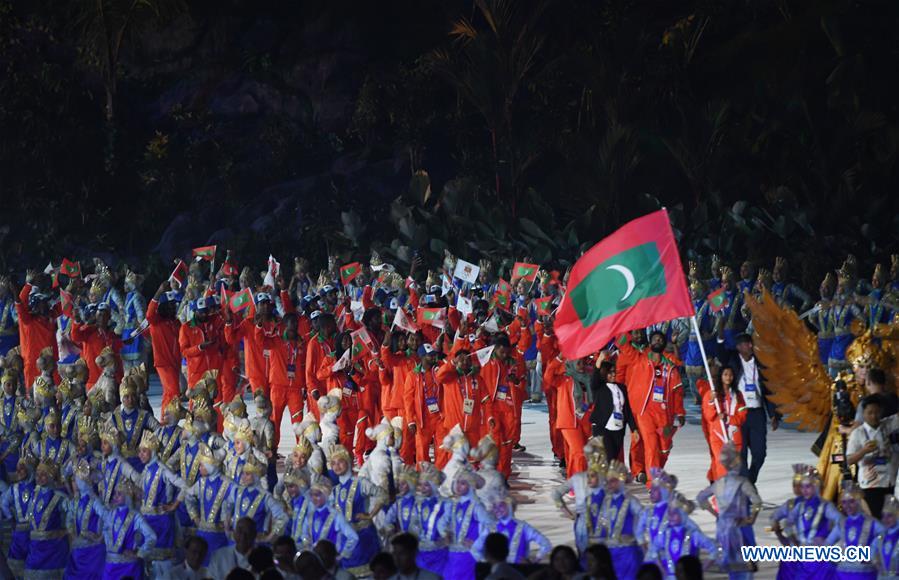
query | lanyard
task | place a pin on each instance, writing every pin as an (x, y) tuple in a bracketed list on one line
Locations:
[(617, 397)]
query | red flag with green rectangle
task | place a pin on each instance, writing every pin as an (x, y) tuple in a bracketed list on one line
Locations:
[(525, 271), (349, 272), (433, 316), (204, 253), (502, 299), (544, 305), (179, 274), (503, 287), (718, 300), (362, 342), (70, 269), (241, 300), (631, 279)]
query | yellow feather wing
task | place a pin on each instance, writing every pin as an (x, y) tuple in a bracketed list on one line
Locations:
[(798, 382)]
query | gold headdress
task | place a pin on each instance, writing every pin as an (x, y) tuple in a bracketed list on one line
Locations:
[(97, 290), (87, 428), (877, 279), (716, 266), (730, 457), (810, 475), (27, 415), (428, 472), (296, 477), (243, 431), (110, 434), (65, 389), (253, 466), (727, 275), (693, 270), (202, 412), (697, 285), (83, 470), (375, 259), (851, 490), (149, 440), (237, 407), (79, 370), (780, 266), (43, 388), (849, 270), (10, 376), (467, 474), (408, 474), (127, 387), (617, 470), (865, 352), (679, 502), (261, 400), (205, 455), (322, 484), (174, 407), (595, 452), (765, 280), (49, 468), (663, 479), (432, 280), (336, 452), (51, 418), (894, 266), (485, 450), (891, 505), (303, 448)]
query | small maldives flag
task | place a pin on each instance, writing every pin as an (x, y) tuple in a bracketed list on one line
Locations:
[(70, 269), (433, 316), (631, 279), (525, 271), (241, 300), (544, 305), (225, 297), (362, 342), (349, 272), (502, 299), (179, 275), (204, 253), (67, 303), (718, 300), (503, 287)]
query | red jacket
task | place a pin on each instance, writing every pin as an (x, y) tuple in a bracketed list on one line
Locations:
[(316, 351), (199, 360), (35, 332), (93, 340), (495, 374), (164, 337), (456, 389), (287, 359), (254, 357), (643, 374), (421, 387), (567, 408)]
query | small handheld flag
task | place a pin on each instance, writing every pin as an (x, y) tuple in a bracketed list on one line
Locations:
[(544, 305), (436, 317), (204, 253), (70, 269), (401, 320), (362, 342), (524, 271), (179, 274), (718, 300), (241, 300), (483, 355), (466, 271), (349, 272)]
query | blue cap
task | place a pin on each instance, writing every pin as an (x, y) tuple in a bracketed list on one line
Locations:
[(170, 296), (203, 304), (263, 297), (425, 349), (103, 307)]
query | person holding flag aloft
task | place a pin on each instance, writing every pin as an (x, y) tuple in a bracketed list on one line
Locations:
[(201, 342), (321, 346), (286, 369)]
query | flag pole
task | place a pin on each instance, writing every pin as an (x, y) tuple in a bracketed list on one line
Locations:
[(708, 374)]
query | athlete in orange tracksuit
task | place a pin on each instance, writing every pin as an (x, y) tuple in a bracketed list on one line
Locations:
[(424, 406), (286, 370), (657, 400), (37, 330), (730, 419), (520, 339), (93, 339), (548, 347), (572, 408), (320, 346), (402, 363), (164, 328), (464, 398), (501, 376), (201, 343), (627, 355)]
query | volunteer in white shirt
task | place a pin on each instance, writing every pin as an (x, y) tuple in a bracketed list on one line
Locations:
[(869, 448), (758, 408), (235, 556), (192, 567)]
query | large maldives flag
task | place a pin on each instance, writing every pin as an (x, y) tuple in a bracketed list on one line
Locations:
[(629, 280)]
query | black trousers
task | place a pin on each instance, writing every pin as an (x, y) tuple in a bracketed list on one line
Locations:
[(755, 441), (613, 440), (874, 497)]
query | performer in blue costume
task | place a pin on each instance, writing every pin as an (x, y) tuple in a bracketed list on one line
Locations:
[(843, 311), (469, 523), (252, 500), (730, 321), (821, 317), (133, 315), (619, 516), (114, 468), (324, 521), (856, 528), (11, 435), (737, 504), (679, 537), (359, 500), (589, 492), (88, 556), (295, 495), (655, 516), (522, 536), (786, 293), (128, 537), (52, 447), (161, 493), (885, 549), (131, 421), (9, 320), (209, 501), (14, 505), (420, 510), (169, 433), (48, 548)]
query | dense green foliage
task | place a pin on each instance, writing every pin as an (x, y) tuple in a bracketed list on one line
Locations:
[(494, 128)]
